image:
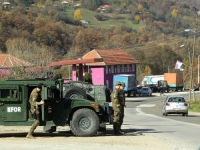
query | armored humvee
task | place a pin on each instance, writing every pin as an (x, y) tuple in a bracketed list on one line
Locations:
[(82, 106)]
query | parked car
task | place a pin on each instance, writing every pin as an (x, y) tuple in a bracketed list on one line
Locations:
[(145, 91), (175, 105)]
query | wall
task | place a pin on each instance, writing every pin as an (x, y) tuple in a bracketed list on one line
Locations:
[(112, 70), (104, 74)]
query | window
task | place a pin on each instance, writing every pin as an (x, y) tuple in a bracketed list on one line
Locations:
[(133, 67), (112, 68), (128, 68), (125, 69), (8, 93), (118, 68), (122, 68), (106, 69), (5, 93)]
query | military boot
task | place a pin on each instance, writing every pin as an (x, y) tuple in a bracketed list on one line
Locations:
[(117, 130), (115, 127), (30, 136)]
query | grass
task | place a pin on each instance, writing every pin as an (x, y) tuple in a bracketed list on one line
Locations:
[(108, 23), (195, 106)]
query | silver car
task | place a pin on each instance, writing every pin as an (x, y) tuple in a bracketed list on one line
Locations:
[(175, 105)]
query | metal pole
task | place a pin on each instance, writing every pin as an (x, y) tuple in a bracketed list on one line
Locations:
[(190, 66), (193, 96)]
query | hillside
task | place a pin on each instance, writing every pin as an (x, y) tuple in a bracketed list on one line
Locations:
[(149, 30)]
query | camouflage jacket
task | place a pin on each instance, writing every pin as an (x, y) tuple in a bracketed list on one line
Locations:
[(115, 97), (34, 98), (122, 97)]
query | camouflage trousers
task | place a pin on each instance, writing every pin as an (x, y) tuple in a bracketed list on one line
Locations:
[(34, 125), (117, 120)]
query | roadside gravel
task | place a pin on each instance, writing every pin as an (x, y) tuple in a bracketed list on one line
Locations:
[(14, 138)]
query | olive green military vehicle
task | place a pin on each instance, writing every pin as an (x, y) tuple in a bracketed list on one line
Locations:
[(82, 106)]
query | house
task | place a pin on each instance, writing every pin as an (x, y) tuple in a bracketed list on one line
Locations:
[(114, 62), (8, 61), (85, 22), (65, 3)]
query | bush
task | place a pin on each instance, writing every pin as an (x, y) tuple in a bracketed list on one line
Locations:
[(99, 17), (195, 106)]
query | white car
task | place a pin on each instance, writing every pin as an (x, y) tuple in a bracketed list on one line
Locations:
[(145, 91), (175, 105)]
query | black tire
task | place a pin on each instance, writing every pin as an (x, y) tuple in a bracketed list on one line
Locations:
[(166, 113), (183, 114), (85, 122), (75, 92), (49, 129)]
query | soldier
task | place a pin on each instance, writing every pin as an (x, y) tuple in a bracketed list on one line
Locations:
[(115, 96), (35, 102), (122, 100)]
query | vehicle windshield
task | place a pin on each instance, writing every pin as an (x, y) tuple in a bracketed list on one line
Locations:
[(176, 99)]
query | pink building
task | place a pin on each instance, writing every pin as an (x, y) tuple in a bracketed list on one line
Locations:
[(114, 62), (104, 64)]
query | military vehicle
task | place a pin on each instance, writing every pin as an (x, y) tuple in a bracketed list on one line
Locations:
[(82, 106)]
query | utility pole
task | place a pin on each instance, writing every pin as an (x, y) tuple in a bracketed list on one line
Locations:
[(191, 65)]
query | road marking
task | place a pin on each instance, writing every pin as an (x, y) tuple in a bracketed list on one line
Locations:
[(146, 105)]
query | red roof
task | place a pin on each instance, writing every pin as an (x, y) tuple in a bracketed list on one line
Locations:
[(79, 61), (110, 57), (8, 61)]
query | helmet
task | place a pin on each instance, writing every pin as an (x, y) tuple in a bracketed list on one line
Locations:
[(118, 83), (123, 84)]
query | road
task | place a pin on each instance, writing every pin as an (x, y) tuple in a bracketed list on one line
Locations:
[(153, 105), (145, 128)]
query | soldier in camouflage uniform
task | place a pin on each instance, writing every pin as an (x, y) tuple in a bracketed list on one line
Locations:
[(35, 102), (122, 100), (115, 96)]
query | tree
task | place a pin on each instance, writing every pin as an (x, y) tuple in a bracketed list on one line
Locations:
[(137, 17), (88, 76), (78, 15), (174, 13), (140, 7)]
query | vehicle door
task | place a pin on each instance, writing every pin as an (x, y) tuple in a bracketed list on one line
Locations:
[(13, 103), (51, 97)]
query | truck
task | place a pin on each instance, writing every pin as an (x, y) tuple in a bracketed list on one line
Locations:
[(174, 81), (82, 106), (130, 83), (152, 81)]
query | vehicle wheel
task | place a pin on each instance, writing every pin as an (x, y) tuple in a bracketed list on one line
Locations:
[(85, 122), (49, 129), (128, 94), (166, 114), (183, 114), (75, 92)]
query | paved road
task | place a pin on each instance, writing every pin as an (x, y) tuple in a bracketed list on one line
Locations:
[(153, 105)]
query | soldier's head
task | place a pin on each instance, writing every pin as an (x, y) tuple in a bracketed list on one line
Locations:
[(117, 84), (39, 87), (122, 85)]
